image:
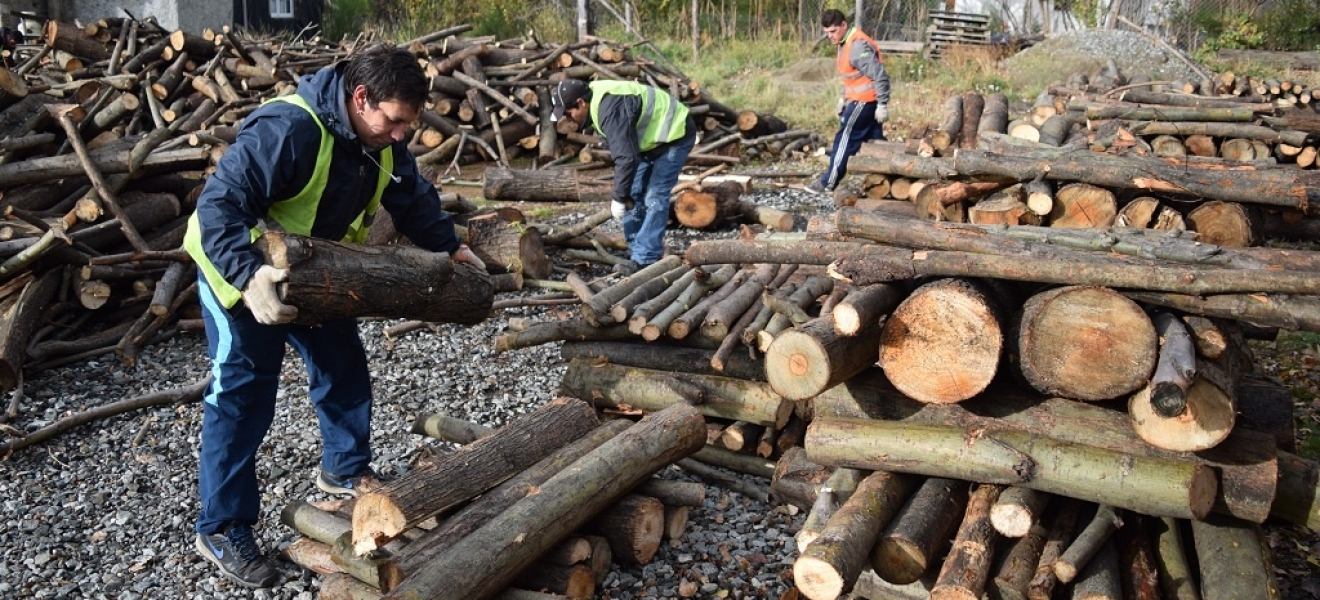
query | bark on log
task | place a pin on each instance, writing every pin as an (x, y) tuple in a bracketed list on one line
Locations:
[(1041, 586), (1017, 563), (20, 312), (1210, 415), (1177, 579), (1246, 463), (1089, 542), (909, 545), (830, 565), (1235, 560), (1086, 343), (108, 160), (944, 342), (1100, 580), (545, 185), (1265, 310), (482, 563), (798, 480), (634, 527), (965, 570), (995, 116), (1149, 485), (329, 280), (663, 358), (75, 41), (811, 358), (494, 502), (1298, 498), (382, 515), (651, 391), (946, 134), (574, 582), (1296, 189), (864, 306), (973, 105), (714, 252), (1222, 130)]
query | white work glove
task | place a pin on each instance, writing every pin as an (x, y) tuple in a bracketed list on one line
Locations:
[(881, 113), (839, 106), (465, 254), (618, 209), (262, 296)]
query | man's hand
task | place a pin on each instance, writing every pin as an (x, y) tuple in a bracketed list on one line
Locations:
[(839, 106), (262, 297), (881, 113), (620, 208), (466, 255)]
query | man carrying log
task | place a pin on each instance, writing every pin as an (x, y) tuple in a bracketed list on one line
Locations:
[(863, 102), (316, 163), (649, 135)]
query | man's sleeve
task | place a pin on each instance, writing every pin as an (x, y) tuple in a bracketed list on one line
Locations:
[(865, 59), (414, 206), (618, 123), (273, 157)]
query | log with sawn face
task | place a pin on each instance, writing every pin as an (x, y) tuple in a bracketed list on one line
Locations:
[(330, 280)]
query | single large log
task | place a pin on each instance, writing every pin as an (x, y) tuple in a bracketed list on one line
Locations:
[(329, 279), (651, 391), (1225, 224), (811, 358), (1087, 343), (951, 115), (75, 41), (798, 480), (20, 310), (908, 546), (1265, 310), (1210, 413), (1276, 187), (973, 105), (382, 515), (1235, 559), (1222, 130), (485, 561), (544, 185), (108, 160), (1155, 486), (944, 342), (830, 565), (634, 527), (1245, 461), (965, 570), (715, 252), (1298, 500), (664, 358), (865, 305), (1083, 205), (507, 247)]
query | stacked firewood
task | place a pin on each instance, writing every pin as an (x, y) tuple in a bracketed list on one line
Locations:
[(1224, 167), (1104, 375), (542, 506)]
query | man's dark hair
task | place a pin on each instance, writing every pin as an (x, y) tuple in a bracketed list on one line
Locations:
[(832, 17), (389, 73)]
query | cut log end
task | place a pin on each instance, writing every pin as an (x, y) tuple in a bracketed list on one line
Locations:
[(1207, 420), (376, 521), (817, 579)]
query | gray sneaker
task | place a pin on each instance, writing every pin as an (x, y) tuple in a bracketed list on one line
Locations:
[(348, 486), (239, 557), (816, 188)]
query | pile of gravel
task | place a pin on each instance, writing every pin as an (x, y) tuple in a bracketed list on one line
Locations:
[(1085, 51), (107, 510)]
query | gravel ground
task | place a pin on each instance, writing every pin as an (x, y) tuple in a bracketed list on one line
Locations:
[(106, 510), (1085, 51)]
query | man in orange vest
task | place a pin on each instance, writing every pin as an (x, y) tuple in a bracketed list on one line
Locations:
[(864, 101)]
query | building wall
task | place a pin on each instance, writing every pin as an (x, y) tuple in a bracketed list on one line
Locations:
[(190, 15)]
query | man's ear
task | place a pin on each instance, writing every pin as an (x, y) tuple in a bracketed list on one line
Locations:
[(359, 98)]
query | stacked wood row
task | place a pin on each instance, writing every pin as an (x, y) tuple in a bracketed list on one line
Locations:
[(1233, 169), (544, 505)]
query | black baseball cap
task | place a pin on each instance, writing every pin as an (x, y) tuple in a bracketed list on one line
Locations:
[(566, 94)]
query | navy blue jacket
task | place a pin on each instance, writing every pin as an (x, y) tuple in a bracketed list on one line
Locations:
[(273, 158)]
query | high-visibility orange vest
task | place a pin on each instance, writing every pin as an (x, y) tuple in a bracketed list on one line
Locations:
[(856, 86)]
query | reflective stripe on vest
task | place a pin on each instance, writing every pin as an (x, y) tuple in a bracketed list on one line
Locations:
[(856, 86), (663, 119), (295, 215)]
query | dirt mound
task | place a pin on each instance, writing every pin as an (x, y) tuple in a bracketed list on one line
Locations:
[(1087, 50), (806, 77)]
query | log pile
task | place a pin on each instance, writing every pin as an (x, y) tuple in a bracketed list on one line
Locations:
[(1055, 381), (537, 509), (1235, 169), (109, 130)]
